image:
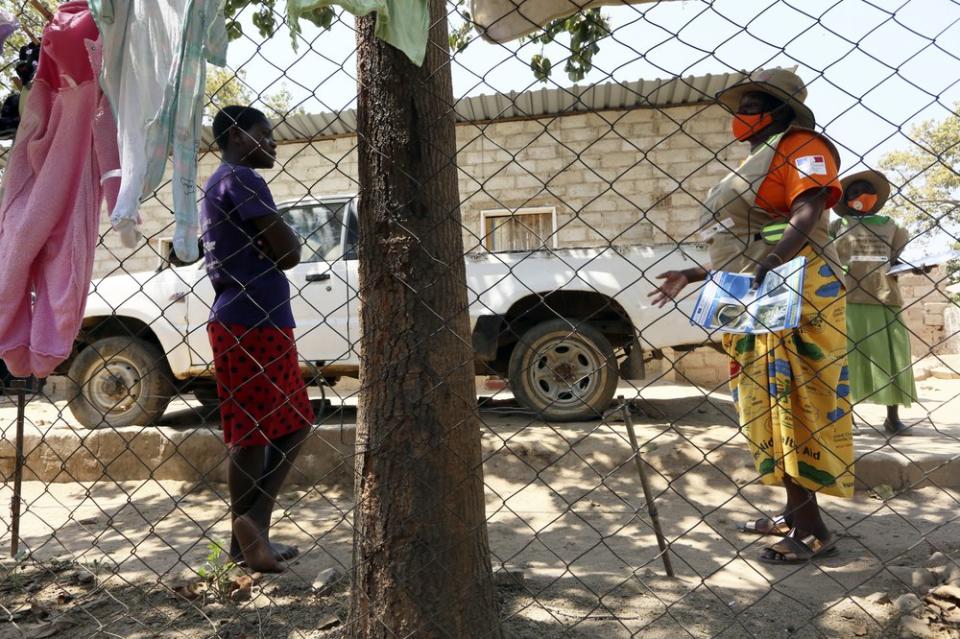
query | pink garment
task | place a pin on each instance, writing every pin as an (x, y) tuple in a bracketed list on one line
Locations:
[(57, 176)]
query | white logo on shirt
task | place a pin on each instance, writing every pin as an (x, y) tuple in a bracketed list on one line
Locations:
[(811, 165)]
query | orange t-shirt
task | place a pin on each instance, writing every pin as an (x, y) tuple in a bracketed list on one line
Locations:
[(803, 161)]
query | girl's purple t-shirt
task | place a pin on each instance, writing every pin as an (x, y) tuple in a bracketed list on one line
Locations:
[(250, 290)]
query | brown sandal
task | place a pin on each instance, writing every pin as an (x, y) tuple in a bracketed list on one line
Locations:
[(800, 550), (776, 526)]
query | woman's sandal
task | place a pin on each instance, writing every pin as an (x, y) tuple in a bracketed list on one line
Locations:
[(766, 526), (800, 550)]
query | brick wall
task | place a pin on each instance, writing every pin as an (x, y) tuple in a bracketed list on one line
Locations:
[(626, 177)]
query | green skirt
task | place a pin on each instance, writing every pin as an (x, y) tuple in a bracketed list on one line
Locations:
[(881, 367)]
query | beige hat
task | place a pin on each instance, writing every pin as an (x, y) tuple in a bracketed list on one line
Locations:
[(876, 178), (780, 83)]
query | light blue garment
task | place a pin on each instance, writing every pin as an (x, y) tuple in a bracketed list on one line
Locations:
[(154, 72), (404, 24)]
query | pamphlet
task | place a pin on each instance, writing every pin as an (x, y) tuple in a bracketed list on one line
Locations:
[(728, 302), (922, 261)]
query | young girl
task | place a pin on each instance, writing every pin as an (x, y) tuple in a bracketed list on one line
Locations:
[(265, 411), (880, 365)]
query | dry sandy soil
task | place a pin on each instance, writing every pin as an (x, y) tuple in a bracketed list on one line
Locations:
[(116, 559)]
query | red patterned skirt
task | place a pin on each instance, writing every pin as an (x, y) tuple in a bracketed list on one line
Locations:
[(262, 393)]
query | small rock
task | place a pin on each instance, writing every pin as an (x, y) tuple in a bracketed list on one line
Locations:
[(82, 577), (922, 580), (954, 576), (510, 578), (937, 559), (328, 622), (913, 628), (880, 598), (940, 573), (240, 594), (907, 603), (326, 580)]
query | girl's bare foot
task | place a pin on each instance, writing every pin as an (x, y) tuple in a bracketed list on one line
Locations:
[(256, 552), (281, 552)]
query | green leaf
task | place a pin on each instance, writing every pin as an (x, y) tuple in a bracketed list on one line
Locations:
[(541, 67)]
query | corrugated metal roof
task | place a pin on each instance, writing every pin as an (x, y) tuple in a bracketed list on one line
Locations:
[(531, 104)]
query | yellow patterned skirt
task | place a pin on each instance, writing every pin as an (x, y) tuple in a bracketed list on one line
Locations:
[(792, 391)]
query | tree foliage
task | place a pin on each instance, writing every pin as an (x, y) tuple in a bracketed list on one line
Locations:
[(226, 86), (584, 31), (579, 34), (928, 174)]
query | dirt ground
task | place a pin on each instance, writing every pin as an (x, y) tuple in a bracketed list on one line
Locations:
[(109, 560), (565, 510)]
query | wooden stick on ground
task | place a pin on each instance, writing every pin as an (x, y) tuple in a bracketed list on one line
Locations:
[(645, 484)]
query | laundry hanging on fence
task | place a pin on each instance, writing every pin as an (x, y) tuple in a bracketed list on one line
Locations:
[(63, 164), (505, 20), (154, 72), (404, 24), (8, 26)]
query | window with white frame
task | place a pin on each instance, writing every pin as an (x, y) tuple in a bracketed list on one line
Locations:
[(526, 229)]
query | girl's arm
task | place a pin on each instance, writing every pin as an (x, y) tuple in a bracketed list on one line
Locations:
[(281, 243)]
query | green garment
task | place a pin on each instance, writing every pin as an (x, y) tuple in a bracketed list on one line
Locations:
[(404, 24), (881, 368)]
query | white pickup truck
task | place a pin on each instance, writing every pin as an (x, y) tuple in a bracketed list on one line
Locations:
[(561, 325)]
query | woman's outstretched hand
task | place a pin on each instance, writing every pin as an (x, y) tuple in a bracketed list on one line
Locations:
[(673, 283)]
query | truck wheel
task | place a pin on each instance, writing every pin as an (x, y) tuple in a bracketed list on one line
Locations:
[(564, 373), (119, 381)]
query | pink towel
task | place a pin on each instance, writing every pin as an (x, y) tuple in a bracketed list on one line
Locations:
[(57, 177)]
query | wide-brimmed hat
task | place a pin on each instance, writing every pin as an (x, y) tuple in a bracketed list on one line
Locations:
[(879, 182), (780, 83)]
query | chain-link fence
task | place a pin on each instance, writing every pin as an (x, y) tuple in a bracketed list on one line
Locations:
[(629, 454)]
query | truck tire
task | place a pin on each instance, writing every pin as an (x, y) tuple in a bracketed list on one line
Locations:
[(119, 381), (564, 371)]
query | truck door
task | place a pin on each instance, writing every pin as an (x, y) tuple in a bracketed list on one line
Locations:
[(319, 285), (319, 288)]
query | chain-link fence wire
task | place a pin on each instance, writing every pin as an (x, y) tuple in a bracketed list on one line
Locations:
[(582, 178)]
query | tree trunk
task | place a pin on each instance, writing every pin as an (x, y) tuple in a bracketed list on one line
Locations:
[(421, 556)]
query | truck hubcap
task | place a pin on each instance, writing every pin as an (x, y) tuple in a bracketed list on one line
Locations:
[(565, 371), (115, 388)]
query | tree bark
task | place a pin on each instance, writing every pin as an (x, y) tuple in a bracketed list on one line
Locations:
[(421, 556)]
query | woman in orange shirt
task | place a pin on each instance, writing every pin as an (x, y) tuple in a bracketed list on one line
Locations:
[(789, 386)]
